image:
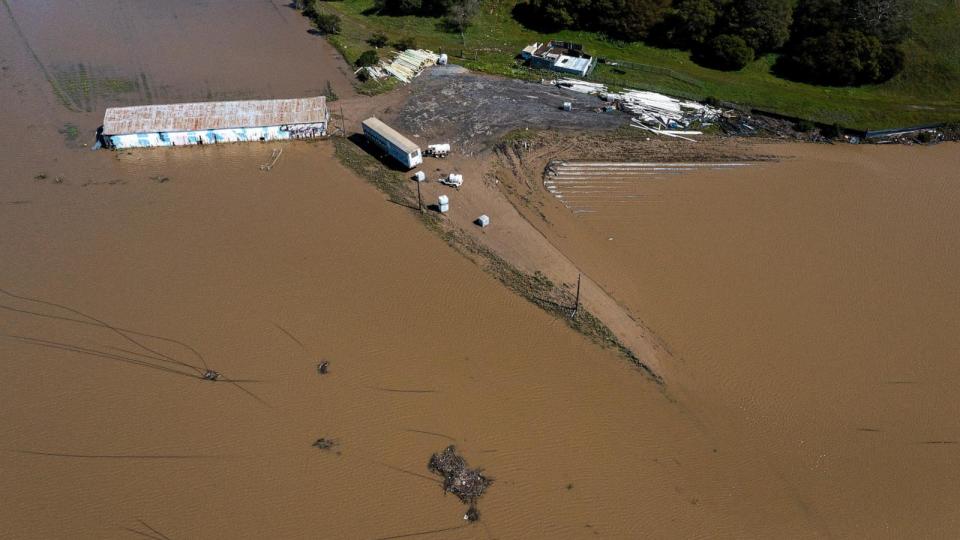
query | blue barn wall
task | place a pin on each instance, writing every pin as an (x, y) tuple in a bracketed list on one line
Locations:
[(183, 138)]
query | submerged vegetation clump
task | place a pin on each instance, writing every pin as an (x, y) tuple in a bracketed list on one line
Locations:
[(458, 478)]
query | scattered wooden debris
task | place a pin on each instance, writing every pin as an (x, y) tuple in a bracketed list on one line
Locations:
[(466, 483)]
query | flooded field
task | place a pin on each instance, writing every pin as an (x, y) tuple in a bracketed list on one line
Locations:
[(126, 275), (810, 306)]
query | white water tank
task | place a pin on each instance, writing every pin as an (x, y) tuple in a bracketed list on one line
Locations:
[(567, 106), (483, 220), (420, 176), (443, 200), (442, 61), (444, 208)]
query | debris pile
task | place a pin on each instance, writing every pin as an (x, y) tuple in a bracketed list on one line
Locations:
[(653, 112), (918, 135), (324, 443), (405, 66), (466, 483), (664, 112)]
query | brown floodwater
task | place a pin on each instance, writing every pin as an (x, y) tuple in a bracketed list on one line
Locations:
[(812, 307), (260, 275)]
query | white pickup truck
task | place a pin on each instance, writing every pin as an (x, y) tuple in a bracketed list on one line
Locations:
[(452, 180)]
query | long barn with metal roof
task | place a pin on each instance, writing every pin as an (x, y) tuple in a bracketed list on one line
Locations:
[(215, 122)]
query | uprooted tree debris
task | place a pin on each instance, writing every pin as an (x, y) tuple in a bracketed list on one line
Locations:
[(466, 483)]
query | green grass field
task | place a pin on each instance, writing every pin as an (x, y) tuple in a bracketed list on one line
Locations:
[(928, 90)]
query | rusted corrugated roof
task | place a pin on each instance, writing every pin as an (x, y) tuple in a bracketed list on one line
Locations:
[(214, 115)]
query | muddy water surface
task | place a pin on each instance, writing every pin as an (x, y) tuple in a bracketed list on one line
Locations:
[(812, 308), (259, 275)]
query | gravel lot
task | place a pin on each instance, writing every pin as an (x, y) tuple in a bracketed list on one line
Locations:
[(470, 111)]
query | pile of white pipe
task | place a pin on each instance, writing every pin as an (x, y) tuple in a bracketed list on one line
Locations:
[(664, 112), (409, 63), (582, 87), (654, 112)]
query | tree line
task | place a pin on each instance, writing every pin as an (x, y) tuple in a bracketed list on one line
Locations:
[(832, 42), (457, 15)]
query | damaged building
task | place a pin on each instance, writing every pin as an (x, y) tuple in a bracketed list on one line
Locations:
[(559, 56), (214, 122)]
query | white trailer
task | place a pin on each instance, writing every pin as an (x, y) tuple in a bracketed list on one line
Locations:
[(399, 147)]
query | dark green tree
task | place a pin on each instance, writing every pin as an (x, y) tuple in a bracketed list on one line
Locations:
[(845, 42), (726, 52), (690, 22), (367, 58), (840, 58), (629, 20), (763, 24)]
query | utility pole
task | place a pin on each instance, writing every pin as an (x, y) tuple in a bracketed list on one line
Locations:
[(576, 308), (419, 198)]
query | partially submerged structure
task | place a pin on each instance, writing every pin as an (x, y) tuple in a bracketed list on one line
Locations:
[(214, 122), (392, 142), (559, 56)]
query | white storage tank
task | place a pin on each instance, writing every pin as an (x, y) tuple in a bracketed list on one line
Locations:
[(442, 61), (567, 106), (444, 203), (439, 149), (420, 176), (483, 220)]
